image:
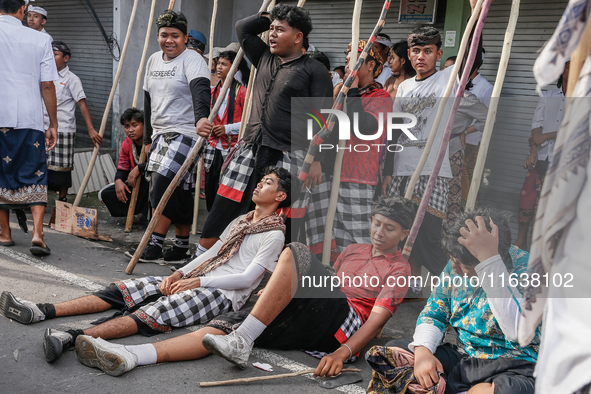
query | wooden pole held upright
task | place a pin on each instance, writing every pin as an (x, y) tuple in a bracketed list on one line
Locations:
[(200, 165), (136, 94), (492, 110), (108, 106), (190, 159), (338, 165)]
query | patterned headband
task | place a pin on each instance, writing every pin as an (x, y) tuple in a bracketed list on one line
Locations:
[(372, 53), (169, 19)]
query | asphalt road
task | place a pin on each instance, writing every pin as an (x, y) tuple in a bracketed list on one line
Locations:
[(78, 267)]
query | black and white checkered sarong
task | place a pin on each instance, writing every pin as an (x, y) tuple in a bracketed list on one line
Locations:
[(168, 153), (209, 153), (236, 176), (351, 324), (196, 306), (352, 218), (437, 202), (61, 158)]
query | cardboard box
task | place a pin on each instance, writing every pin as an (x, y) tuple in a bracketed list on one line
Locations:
[(75, 220)]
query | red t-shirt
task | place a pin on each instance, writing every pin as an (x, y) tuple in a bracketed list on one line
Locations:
[(360, 166), (369, 284)]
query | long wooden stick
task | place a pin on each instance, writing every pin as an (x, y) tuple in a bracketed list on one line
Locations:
[(441, 153), (190, 159), (171, 4), (200, 165), (108, 106), (443, 104), (138, 80), (492, 110), (338, 165), (338, 103), (262, 378)]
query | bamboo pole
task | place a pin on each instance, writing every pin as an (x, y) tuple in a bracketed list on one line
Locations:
[(136, 94), (190, 159), (200, 165), (108, 106), (262, 378), (450, 84), (441, 153), (338, 165), (338, 103), (171, 4), (492, 110)]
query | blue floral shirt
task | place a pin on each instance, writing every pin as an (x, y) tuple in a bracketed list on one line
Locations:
[(468, 312)]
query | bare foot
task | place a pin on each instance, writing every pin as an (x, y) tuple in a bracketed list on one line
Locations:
[(37, 241), (5, 239)]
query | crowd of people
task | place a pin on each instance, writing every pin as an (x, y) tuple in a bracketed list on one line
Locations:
[(262, 219)]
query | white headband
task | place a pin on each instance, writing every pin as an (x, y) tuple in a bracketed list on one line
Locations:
[(384, 41), (38, 10)]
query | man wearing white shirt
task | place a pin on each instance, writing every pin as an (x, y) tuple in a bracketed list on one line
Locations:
[(28, 71), (218, 281), (545, 124), (382, 47)]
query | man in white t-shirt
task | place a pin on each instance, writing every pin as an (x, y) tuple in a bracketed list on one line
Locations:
[(420, 96), (218, 281), (28, 71), (545, 124)]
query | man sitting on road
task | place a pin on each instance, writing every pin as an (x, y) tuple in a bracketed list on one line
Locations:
[(331, 321), (477, 296), (217, 282)]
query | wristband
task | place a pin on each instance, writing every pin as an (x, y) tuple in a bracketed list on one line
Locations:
[(350, 351)]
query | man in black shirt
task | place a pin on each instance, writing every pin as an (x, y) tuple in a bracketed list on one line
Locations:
[(282, 74)]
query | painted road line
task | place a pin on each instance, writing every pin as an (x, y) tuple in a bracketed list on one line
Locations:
[(50, 269), (263, 354)]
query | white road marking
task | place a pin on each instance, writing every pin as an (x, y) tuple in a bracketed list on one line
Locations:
[(262, 354), (50, 269)]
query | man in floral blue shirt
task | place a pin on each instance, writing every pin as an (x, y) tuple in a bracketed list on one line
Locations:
[(479, 295)]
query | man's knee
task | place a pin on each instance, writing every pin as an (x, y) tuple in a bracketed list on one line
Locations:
[(482, 388)]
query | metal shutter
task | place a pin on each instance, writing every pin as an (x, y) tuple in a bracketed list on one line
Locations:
[(70, 22), (332, 25), (504, 173)]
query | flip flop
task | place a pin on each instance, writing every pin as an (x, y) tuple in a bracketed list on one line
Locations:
[(37, 250), (9, 243)]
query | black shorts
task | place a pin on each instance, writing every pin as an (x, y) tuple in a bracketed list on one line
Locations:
[(179, 208), (510, 376)]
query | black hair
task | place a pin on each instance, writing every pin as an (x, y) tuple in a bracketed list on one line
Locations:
[(243, 67), (399, 209), (11, 7), (341, 68), (132, 114), (384, 35), (173, 19), (195, 43), (295, 16), (452, 58), (427, 34), (61, 47), (321, 57), (401, 50), (287, 183), (451, 233)]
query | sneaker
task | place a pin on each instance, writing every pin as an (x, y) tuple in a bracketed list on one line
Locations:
[(25, 312), (55, 342), (176, 254), (151, 254), (233, 347), (109, 357)]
